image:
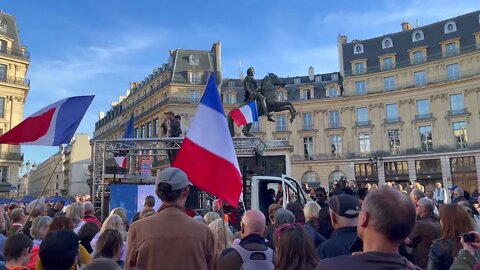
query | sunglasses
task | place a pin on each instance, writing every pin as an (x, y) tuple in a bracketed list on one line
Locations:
[(288, 225)]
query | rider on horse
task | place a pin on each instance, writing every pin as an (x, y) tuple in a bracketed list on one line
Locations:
[(252, 93)]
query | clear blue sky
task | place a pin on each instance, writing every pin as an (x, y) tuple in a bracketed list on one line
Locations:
[(89, 46)]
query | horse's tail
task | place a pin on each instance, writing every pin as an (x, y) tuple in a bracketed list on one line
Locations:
[(231, 126)]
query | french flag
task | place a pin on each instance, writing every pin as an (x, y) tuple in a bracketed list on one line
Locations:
[(121, 161), (207, 155), (53, 125), (246, 114)]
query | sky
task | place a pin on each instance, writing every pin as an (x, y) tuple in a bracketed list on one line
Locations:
[(82, 47)]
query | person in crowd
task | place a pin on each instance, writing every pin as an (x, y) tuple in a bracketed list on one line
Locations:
[(76, 213), (17, 218), (374, 186), (362, 193), (454, 221), (172, 128), (467, 258), (17, 250), (200, 219), (145, 214), (113, 222), (426, 230), (148, 204), (324, 224), (368, 186), (440, 194), (166, 238), (429, 195), (64, 242), (55, 209), (38, 231), (381, 232), (472, 212), (102, 264), (34, 211), (110, 245), (283, 216), (271, 216), (211, 216), (297, 211), (294, 249), (321, 196), (120, 211), (311, 211), (458, 195), (89, 216), (344, 210), (86, 234), (222, 233), (252, 245)]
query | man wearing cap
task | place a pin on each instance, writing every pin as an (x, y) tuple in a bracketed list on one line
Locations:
[(458, 195), (170, 239), (344, 211)]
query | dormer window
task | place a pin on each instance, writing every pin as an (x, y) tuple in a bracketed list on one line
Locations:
[(450, 27), (318, 78), (3, 45), (193, 60), (296, 81), (417, 36), (3, 25), (387, 43), (231, 83), (358, 48)]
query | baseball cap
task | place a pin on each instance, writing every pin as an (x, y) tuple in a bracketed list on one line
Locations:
[(453, 188), (173, 176), (345, 205)]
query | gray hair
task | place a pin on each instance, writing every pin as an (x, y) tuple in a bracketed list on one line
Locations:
[(459, 191), (39, 225), (418, 194), (88, 208), (427, 204), (311, 210), (283, 216)]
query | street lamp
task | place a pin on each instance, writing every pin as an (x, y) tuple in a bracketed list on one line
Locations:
[(376, 161)]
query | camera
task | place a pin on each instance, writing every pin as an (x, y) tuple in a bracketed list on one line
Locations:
[(468, 237)]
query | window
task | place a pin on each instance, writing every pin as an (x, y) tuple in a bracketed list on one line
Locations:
[(362, 116), (394, 141), (453, 72), (137, 134), (282, 95), (155, 128), (364, 142), (456, 104), (4, 173), (3, 73), (460, 134), (231, 83), (359, 68), (3, 25), (194, 77), (194, 96), (357, 49), (305, 94), (417, 36), (142, 132), (281, 122), (451, 49), (307, 121), (334, 77), (387, 43), (193, 60), (423, 109), (3, 46), (308, 148), (418, 57), (420, 78), (333, 92), (426, 140), (392, 113), (318, 78), (389, 83), (334, 119), (149, 130), (387, 63), (230, 98), (360, 88), (296, 81), (336, 144), (449, 27), (256, 127), (2, 107)]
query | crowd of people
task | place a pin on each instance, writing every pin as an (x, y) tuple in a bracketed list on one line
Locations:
[(375, 227)]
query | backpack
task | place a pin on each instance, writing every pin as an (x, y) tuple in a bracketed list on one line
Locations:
[(255, 264)]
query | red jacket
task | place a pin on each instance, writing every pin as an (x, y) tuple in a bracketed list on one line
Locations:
[(94, 220), (34, 258)]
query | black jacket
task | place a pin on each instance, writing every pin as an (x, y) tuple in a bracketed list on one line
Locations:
[(441, 254)]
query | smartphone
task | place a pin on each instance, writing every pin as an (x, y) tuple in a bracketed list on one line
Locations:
[(468, 237)]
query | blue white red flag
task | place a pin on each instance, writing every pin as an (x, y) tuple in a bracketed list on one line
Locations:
[(207, 155), (245, 114), (53, 125)]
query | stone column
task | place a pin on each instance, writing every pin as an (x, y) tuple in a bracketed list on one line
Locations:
[(381, 175), (477, 167), (412, 172), (446, 171)]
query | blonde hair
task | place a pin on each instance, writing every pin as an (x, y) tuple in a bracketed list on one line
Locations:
[(311, 210), (211, 216), (75, 212), (113, 222), (40, 226), (221, 232), (122, 214)]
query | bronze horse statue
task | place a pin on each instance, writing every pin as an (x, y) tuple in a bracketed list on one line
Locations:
[(269, 89)]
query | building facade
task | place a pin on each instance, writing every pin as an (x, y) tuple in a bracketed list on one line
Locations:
[(39, 177), (14, 87)]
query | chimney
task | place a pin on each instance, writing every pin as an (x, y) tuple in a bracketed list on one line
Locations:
[(406, 26), (311, 73), (101, 115)]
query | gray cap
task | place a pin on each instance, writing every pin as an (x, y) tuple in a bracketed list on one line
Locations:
[(173, 176)]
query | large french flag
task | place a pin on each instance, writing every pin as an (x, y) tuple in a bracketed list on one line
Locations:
[(53, 125), (246, 114), (207, 155)]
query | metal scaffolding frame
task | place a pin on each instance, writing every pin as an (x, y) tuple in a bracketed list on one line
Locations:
[(105, 150)]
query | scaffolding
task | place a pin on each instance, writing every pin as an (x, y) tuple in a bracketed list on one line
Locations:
[(104, 152)]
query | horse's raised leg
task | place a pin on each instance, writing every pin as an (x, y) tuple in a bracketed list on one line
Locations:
[(246, 130)]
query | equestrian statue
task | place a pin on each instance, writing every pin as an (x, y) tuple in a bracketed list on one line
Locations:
[(267, 99)]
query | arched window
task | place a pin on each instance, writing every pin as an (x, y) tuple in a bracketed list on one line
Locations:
[(3, 25), (358, 48), (336, 176), (332, 92), (417, 35), (310, 176), (449, 27), (387, 43)]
